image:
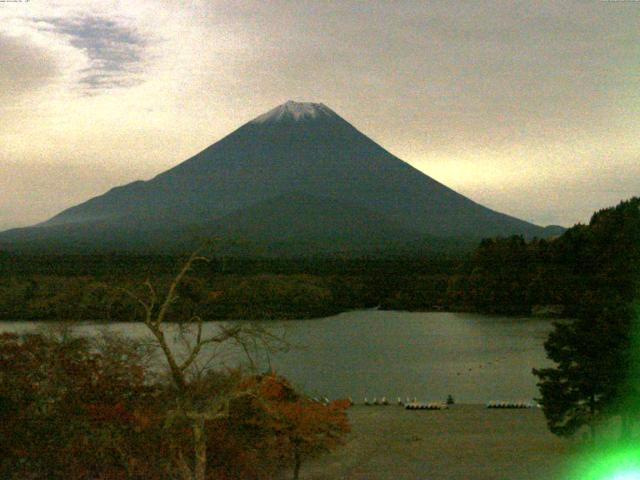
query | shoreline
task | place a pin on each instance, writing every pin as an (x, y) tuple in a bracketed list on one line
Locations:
[(466, 441), (327, 314)]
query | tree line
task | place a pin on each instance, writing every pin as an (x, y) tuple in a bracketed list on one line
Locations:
[(512, 276), (509, 276)]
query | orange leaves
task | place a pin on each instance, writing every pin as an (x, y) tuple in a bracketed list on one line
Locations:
[(69, 409), (274, 388), (215, 295), (74, 410), (311, 426), (271, 427), (268, 387), (106, 413), (142, 420), (341, 404), (315, 424)]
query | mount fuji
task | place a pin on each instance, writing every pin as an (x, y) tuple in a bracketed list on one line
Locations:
[(298, 179)]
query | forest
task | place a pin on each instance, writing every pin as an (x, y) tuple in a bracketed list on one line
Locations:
[(502, 276)]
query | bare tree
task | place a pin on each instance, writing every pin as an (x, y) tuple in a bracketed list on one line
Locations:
[(192, 361)]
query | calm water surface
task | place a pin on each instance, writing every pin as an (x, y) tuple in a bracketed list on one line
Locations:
[(371, 353)]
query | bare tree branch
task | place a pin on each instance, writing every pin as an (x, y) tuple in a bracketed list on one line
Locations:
[(216, 404), (171, 296)]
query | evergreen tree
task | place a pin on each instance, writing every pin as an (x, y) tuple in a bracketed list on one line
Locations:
[(592, 356), (595, 373)]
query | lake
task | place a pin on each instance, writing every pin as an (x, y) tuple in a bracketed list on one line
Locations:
[(371, 353)]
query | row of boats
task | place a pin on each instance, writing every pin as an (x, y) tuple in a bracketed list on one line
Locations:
[(408, 403), (495, 404), (414, 404), (384, 401), (426, 406)]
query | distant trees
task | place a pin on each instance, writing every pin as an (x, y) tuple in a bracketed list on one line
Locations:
[(512, 276), (229, 296), (268, 296), (503, 275), (54, 287)]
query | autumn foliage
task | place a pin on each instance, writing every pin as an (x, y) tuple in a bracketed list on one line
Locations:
[(71, 410), (297, 427)]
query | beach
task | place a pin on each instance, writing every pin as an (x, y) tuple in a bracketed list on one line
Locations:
[(464, 442)]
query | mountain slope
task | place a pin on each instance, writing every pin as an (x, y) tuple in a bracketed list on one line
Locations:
[(302, 150)]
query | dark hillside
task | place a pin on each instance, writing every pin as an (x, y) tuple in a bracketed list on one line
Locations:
[(298, 175)]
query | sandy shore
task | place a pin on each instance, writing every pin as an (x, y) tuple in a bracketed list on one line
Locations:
[(465, 442)]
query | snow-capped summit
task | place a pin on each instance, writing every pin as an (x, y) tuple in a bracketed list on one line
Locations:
[(295, 111), (297, 180)]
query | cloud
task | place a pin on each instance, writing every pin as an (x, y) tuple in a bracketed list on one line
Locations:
[(493, 98), (26, 67), (114, 49)]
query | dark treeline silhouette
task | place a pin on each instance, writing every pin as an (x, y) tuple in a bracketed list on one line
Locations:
[(509, 275), (595, 376), (49, 287), (136, 264), (502, 275)]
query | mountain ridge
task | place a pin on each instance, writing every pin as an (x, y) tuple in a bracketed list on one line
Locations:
[(295, 147)]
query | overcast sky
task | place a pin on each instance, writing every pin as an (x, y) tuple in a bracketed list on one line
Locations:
[(530, 108)]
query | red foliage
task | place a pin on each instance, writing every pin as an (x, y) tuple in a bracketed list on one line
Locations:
[(70, 412), (284, 425), (67, 411)]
